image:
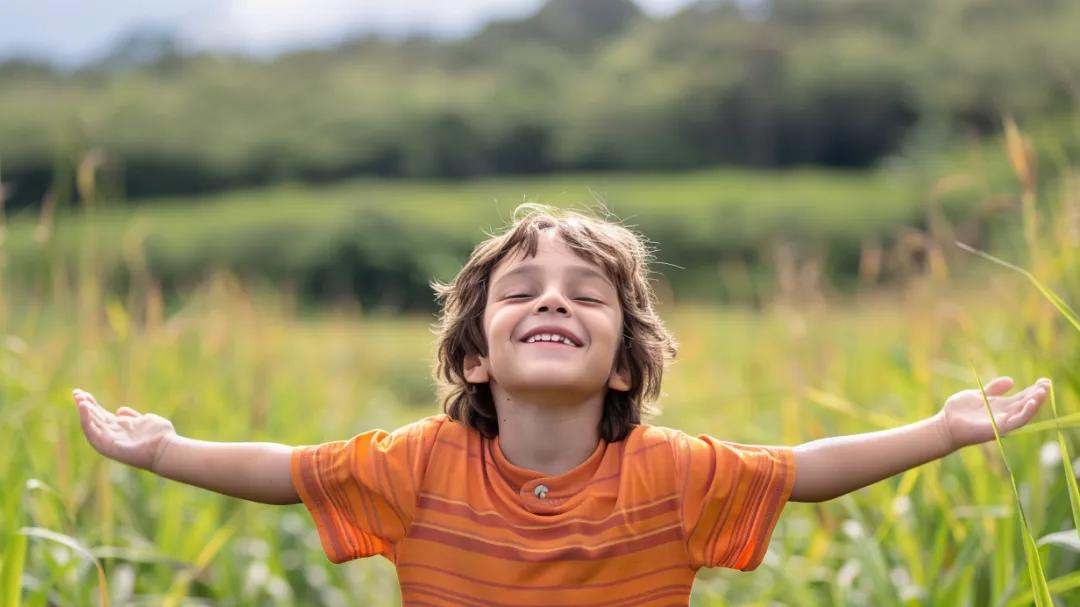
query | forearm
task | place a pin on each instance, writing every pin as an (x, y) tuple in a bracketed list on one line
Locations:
[(253, 471), (831, 467)]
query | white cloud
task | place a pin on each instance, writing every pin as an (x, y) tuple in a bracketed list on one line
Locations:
[(263, 26)]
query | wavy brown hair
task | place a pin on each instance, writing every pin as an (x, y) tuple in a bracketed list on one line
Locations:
[(647, 346)]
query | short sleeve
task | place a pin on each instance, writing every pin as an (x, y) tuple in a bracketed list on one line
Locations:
[(733, 495), (361, 492)]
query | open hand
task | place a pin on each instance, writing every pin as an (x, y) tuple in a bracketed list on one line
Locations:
[(964, 418), (126, 436)]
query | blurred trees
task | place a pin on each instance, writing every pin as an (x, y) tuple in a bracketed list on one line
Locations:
[(580, 85)]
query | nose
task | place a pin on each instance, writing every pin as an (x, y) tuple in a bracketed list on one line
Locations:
[(551, 299)]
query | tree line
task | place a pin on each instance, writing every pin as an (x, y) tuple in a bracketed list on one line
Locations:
[(594, 85)]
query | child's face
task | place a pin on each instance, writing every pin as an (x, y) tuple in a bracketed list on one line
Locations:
[(556, 289)]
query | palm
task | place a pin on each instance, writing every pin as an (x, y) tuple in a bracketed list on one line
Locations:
[(126, 436), (966, 420)]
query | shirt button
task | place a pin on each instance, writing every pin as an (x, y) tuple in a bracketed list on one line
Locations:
[(540, 491)]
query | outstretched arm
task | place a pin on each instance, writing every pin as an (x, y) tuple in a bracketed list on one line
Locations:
[(831, 467), (253, 471)]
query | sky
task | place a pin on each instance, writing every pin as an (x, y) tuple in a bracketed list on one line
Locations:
[(72, 32)]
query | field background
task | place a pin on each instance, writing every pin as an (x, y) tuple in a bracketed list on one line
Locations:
[(245, 247)]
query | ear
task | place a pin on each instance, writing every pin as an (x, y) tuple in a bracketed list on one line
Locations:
[(619, 380), (476, 371)]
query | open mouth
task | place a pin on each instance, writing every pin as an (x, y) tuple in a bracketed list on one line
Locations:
[(551, 340), (552, 337)]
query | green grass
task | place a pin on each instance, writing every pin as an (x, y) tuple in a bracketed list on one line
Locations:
[(412, 231)]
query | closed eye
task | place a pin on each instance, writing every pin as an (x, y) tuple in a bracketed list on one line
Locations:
[(518, 295), (589, 299)]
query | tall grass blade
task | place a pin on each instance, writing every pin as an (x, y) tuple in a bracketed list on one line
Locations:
[(12, 568), (1058, 585), (1066, 461), (1071, 420), (1060, 304), (1065, 539), (1039, 589), (76, 546)]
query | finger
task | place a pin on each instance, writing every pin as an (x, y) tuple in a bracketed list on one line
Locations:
[(1032, 391), (998, 386), (1035, 392), (85, 394), (1021, 417), (85, 417), (98, 435), (127, 411), (86, 398), (96, 412)]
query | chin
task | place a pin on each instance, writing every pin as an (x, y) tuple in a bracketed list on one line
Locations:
[(556, 383)]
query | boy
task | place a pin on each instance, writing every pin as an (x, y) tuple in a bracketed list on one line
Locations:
[(540, 485)]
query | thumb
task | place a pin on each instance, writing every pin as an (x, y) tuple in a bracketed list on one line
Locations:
[(127, 411), (998, 386)]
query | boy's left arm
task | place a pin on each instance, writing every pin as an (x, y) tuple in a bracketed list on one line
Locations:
[(831, 467)]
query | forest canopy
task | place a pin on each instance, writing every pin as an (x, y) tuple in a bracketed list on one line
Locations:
[(595, 85)]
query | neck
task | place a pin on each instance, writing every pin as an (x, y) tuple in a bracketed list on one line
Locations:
[(550, 438)]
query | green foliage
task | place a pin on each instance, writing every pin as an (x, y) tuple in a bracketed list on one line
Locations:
[(578, 86), (383, 241)]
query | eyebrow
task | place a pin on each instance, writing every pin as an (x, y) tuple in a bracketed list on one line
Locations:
[(532, 268)]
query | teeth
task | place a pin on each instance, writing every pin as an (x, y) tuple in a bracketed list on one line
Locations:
[(550, 337)]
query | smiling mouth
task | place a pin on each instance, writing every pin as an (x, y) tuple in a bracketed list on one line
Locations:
[(551, 339), (551, 345)]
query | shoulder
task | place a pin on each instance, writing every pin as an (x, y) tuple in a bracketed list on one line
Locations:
[(426, 432), (650, 437), (432, 424), (679, 449), (653, 446), (435, 433)]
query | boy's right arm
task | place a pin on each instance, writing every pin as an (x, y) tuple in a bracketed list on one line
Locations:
[(253, 471)]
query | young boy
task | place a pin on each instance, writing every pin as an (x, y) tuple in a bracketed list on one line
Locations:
[(540, 485)]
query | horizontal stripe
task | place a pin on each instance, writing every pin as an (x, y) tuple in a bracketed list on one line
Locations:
[(635, 599), (511, 552), (552, 587), (448, 500), (453, 598), (527, 546), (576, 526)]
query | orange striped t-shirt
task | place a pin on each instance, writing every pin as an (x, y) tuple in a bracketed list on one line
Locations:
[(628, 526)]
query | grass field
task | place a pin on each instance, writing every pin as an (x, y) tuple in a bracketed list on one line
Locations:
[(406, 232), (234, 363)]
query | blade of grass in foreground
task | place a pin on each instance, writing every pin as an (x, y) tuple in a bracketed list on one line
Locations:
[(1058, 585), (1039, 589), (1070, 315), (1071, 420), (1059, 303), (1066, 461), (74, 544), (12, 570)]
